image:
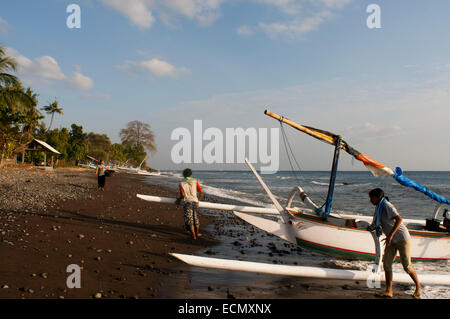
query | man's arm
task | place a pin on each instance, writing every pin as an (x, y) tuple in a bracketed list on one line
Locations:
[(200, 190), (180, 196), (398, 221)]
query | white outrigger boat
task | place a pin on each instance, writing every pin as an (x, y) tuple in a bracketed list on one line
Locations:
[(319, 229), (138, 170)]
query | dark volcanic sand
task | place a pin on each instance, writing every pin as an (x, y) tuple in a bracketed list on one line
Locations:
[(122, 244)]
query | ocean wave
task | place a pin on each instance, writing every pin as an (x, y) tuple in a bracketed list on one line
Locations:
[(234, 195), (326, 184)]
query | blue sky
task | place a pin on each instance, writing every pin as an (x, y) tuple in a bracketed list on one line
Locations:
[(387, 91)]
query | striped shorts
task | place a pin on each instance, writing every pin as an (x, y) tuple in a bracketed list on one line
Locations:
[(191, 215)]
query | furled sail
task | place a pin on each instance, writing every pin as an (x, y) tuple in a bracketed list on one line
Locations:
[(376, 168), (413, 184), (373, 166)]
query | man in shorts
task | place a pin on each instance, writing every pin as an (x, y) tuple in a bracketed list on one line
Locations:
[(188, 191), (397, 238)]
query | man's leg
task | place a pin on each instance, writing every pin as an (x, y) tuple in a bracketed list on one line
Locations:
[(388, 259), (195, 219), (193, 232), (405, 256), (189, 218)]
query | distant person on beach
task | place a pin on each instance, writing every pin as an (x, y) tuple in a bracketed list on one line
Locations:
[(387, 220), (188, 191), (100, 172)]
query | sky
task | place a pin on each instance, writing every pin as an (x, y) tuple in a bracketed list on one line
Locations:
[(167, 63)]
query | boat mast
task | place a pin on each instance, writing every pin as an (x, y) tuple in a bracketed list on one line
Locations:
[(329, 200), (329, 138)]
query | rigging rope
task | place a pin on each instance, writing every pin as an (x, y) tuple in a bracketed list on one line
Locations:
[(287, 146)]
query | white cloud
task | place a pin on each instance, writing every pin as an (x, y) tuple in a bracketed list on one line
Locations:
[(368, 131), (140, 12), (155, 66), (4, 26), (302, 16), (46, 69), (137, 11), (204, 11), (79, 81), (295, 29), (45, 66), (245, 30), (334, 4), (286, 6)]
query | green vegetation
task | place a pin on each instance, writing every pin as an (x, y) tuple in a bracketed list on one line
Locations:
[(21, 121)]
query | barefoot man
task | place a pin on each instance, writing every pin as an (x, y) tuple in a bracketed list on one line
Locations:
[(387, 220), (188, 191)]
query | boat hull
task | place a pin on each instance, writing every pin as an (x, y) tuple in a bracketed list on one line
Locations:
[(330, 238)]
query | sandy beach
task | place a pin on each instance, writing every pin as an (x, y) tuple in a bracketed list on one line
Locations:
[(51, 219)]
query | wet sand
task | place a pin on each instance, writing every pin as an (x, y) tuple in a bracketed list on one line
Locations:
[(122, 245)]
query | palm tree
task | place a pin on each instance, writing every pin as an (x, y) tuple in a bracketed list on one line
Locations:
[(14, 102), (12, 94), (32, 115), (7, 64), (52, 108)]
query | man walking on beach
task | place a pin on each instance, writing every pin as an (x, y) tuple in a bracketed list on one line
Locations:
[(188, 191), (387, 220), (101, 177)]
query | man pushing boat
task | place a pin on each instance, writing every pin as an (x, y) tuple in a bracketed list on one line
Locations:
[(188, 191), (387, 220)]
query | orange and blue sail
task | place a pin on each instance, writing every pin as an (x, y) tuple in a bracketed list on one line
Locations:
[(376, 168), (403, 180)]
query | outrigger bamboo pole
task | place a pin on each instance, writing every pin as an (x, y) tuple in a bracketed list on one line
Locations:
[(245, 209), (305, 271), (304, 129)]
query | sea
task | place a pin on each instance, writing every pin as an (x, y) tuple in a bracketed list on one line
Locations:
[(244, 242)]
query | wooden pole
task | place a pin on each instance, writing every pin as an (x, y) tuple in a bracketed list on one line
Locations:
[(316, 134)]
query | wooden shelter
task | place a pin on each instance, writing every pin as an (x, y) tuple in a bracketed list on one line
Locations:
[(39, 146)]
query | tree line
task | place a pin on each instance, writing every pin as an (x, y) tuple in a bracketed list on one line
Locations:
[(21, 120)]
